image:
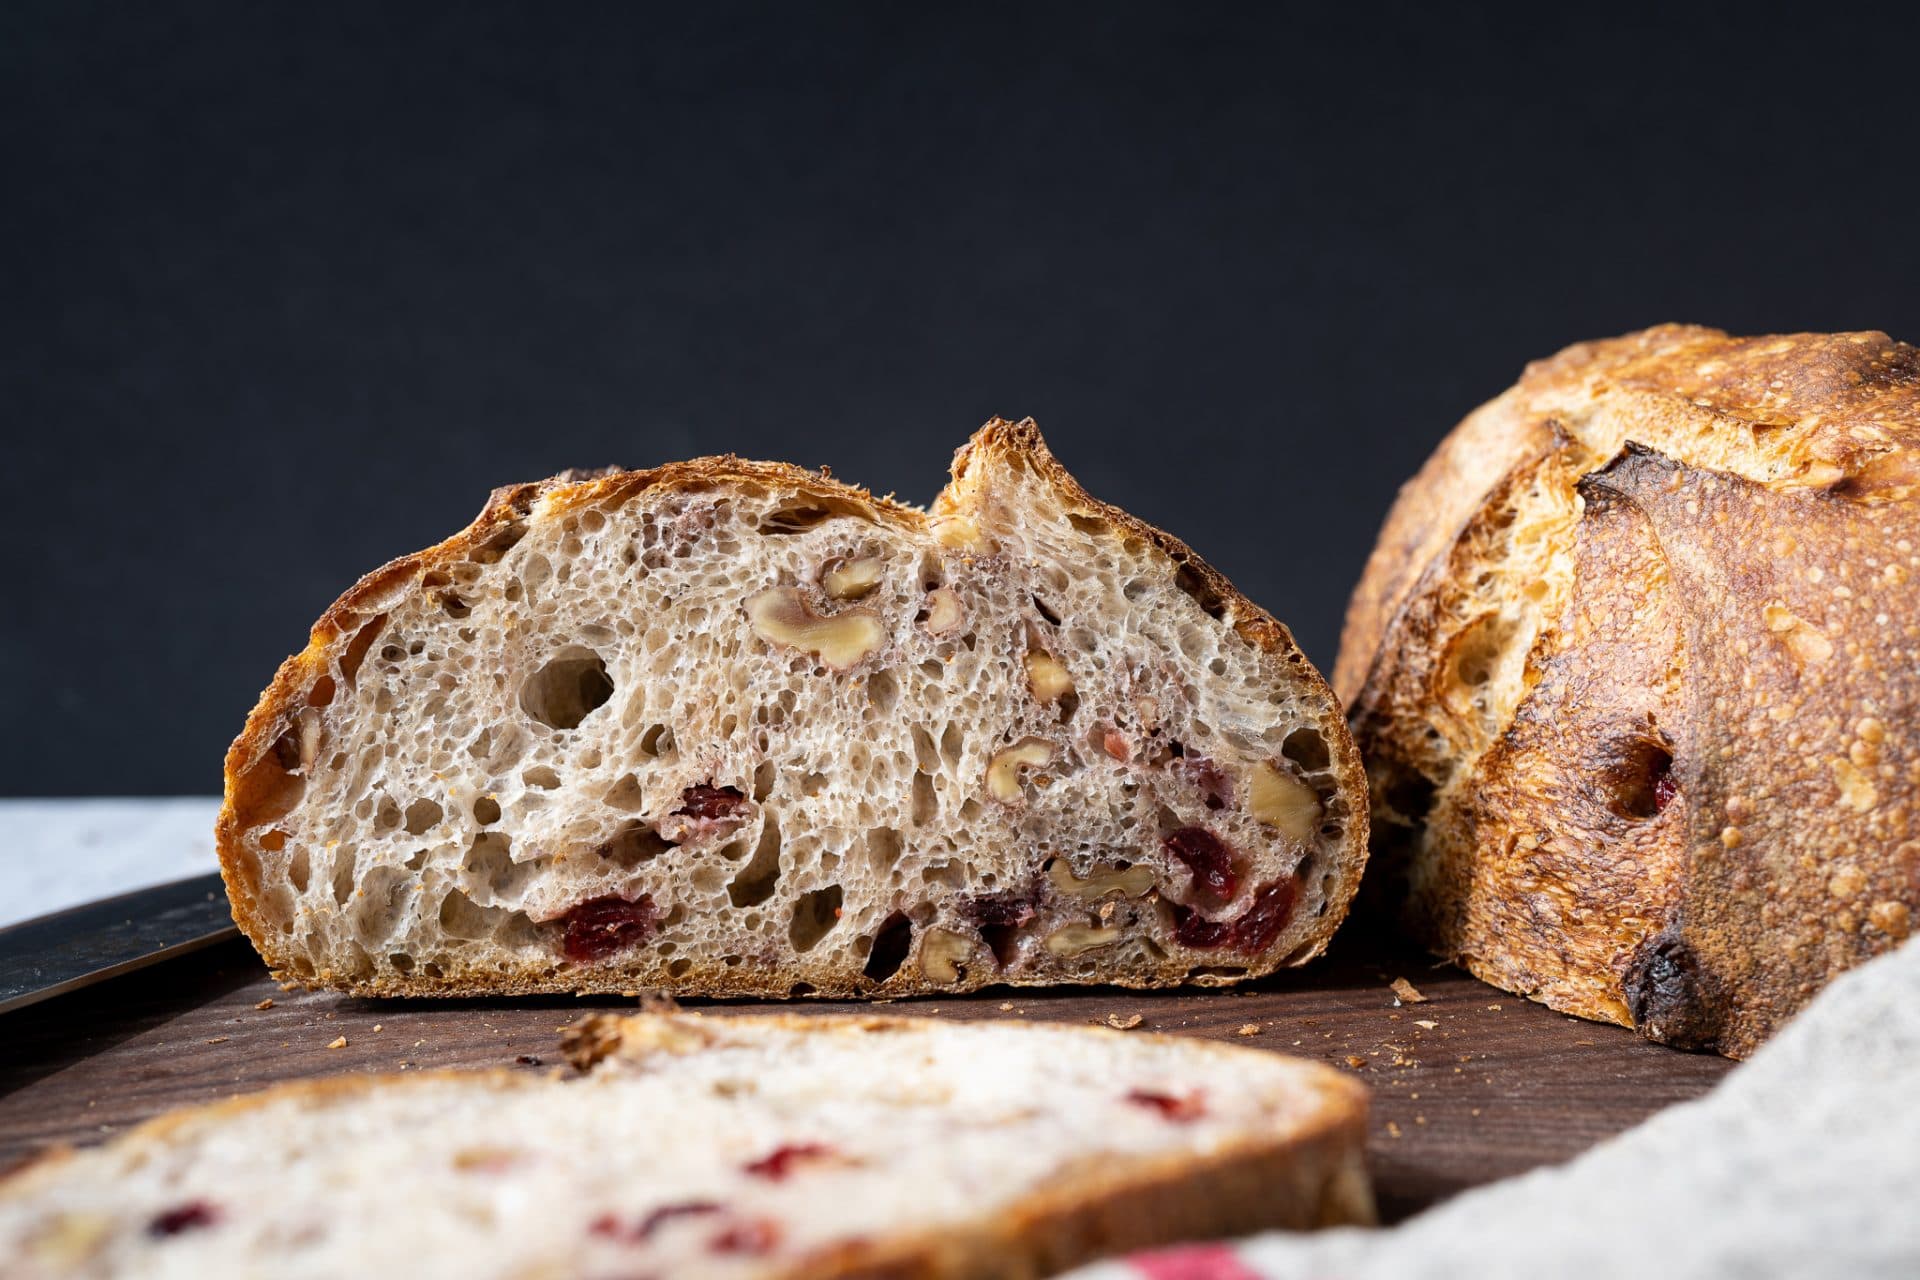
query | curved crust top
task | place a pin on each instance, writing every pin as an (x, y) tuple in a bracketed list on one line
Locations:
[(1016, 443)]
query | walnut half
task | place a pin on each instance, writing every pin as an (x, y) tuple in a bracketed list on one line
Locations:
[(781, 615)]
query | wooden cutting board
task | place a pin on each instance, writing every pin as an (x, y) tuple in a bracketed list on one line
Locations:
[(1469, 1085)]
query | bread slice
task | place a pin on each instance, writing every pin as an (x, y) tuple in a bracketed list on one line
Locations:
[(730, 727), (749, 1146), (1635, 665)]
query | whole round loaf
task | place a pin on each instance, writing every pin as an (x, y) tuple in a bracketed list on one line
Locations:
[(1635, 667)]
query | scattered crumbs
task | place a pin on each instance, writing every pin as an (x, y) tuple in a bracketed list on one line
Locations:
[(1248, 1029), (1476, 1111), (265, 1004), (1583, 1044), (528, 1059), (1493, 1008), (1405, 992), (418, 1043), (1413, 1097), (218, 1040), (404, 1065), (1393, 1130), (1356, 1061), (339, 1042), (1419, 1119), (1427, 1023), (1127, 1023), (1458, 1070), (377, 1028)]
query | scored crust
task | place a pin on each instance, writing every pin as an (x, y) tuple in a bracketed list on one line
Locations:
[(1298, 1169), (1003, 473), (1633, 665)]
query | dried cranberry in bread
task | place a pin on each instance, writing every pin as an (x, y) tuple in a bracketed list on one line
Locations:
[(725, 1147), (730, 727), (1636, 668)]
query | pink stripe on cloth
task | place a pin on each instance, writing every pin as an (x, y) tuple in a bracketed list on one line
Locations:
[(1193, 1262)]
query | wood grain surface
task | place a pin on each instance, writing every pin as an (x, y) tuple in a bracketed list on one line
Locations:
[(1469, 1085)]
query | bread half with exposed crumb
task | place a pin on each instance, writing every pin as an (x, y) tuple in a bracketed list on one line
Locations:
[(730, 727), (724, 1147)]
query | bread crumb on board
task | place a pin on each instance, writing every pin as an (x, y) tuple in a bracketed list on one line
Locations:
[(265, 1004), (1127, 1023), (1405, 992), (1248, 1029), (339, 1042)]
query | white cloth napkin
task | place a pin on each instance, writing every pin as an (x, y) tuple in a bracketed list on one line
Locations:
[(1802, 1162)]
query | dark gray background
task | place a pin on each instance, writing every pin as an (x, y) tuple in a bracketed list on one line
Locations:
[(285, 289)]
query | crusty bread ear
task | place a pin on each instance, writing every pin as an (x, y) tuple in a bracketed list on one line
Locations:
[(734, 727), (802, 1148), (1630, 665)]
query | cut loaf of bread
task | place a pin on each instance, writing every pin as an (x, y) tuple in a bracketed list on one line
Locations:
[(726, 1147), (728, 727)]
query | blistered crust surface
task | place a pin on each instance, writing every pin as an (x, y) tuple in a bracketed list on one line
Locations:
[(1630, 683), (733, 727)]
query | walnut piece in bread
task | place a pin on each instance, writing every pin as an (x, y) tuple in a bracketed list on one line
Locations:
[(729, 727), (1635, 667), (803, 1148)]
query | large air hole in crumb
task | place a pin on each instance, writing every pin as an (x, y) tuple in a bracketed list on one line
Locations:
[(890, 948), (794, 519), (632, 844), (486, 811), (926, 803), (569, 688), (356, 651), (883, 691), (814, 915), (423, 815), (1307, 747), (756, 881), (1046, 611), (657, 741), (490, 857), (1210, 601), (540, 776), (298, 870), (273, 785), (624, 795), (344, 860)]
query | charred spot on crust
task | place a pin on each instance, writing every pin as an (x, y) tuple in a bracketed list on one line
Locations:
[(1670, 996)]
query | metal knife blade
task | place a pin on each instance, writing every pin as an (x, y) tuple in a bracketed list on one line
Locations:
[(82, 945)]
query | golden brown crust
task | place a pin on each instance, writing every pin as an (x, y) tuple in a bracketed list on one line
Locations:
[(1697, 802), (1307, 1177), (250, 798)]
